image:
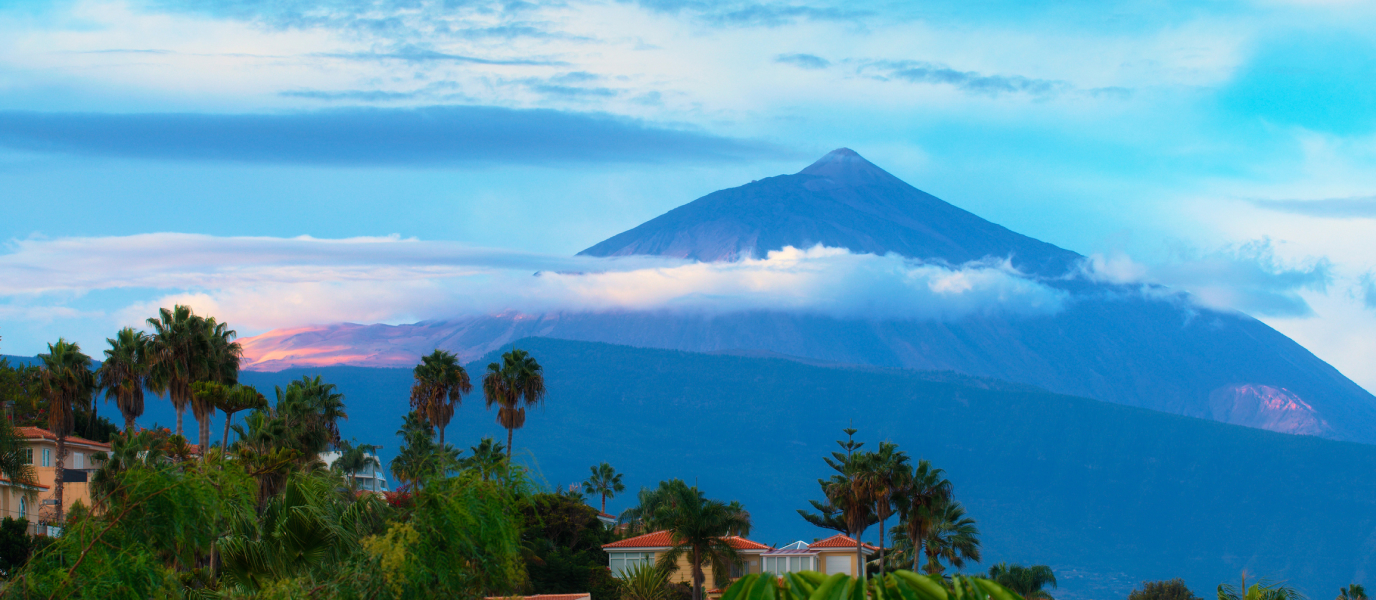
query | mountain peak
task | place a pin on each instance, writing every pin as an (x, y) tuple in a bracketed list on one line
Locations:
[(846, 166)]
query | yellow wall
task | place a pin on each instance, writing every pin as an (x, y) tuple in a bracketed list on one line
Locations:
[(684, 572), (71, 492)]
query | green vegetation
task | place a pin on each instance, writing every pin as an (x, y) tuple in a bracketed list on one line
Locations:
[(1028, 582), (904, 585), (1352, 592), (1174, 589), (1260, 589)]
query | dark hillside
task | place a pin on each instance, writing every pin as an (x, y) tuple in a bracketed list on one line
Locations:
[(1109, 495)]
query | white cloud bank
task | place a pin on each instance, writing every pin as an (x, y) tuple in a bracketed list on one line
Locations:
[(259, 283)]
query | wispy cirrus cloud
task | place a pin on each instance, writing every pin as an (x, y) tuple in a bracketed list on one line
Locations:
[(1331, 208), (805, 61), (967, 81), (428, 136)]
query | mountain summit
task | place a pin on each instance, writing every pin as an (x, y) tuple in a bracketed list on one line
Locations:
[(842, 201)]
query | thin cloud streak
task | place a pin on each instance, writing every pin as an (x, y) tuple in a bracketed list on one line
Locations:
[(1329, 208), (407, 137), (263, 283)]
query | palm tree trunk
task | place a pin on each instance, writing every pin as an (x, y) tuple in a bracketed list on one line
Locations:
[(57, 479), (441, 436), (180, 410), (604, 504), (508, 448), (203, 427), (129, 425), (881, 549), (224, 441), (697, 574)]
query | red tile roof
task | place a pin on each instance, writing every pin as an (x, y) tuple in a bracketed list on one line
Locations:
[(662, 539), (29, 433), (741, 543), (658, 539), (838, 541), (544, 597)]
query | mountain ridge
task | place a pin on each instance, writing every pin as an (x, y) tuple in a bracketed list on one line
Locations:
[(1109, 342)]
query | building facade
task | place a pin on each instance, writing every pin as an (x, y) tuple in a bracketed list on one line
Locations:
[(370, 479)]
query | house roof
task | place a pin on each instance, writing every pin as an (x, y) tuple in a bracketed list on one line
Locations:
[(8, 481), (839, 541), (544, 597), (663, 539), (29, 433)]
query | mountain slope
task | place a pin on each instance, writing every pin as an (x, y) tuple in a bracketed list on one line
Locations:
[(1107, 495), (841, 201), (1112, 343)]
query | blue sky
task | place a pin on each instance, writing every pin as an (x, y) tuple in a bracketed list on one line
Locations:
[(1226, 148)]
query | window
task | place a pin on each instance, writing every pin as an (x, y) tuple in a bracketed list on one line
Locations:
[(23, 508), (77, 461), (28, 456), (779, 565), (622, 562), (47, 457)]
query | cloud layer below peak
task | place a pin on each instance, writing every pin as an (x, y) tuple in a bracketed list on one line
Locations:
[(265, 283)]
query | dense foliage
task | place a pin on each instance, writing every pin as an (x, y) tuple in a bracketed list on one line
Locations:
[(1174, 589)]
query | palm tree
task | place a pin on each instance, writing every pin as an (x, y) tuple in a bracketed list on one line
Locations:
[(124, 373), (1354, 592), (238, 398), (604, 482), (1029, 581), (217, 362), (1261, 589), (440, 385), (851, 493), (953, 538), (174, 347), (923, 491), (517, 380), (354, 459), (66, 380), (487, 458), (697, 528), (888, 473)]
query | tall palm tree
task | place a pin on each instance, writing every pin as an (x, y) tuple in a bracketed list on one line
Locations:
[(125, 373), (515, 384), (851, 492), (440, 385), (697, 528), (888, 473), (604, 482), (925, 489), (66, 380), (175, 348), (217, 362), (953, 538), (1029, 582)]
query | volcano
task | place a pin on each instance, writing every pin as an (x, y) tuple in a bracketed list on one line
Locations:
[(1156, 350)]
